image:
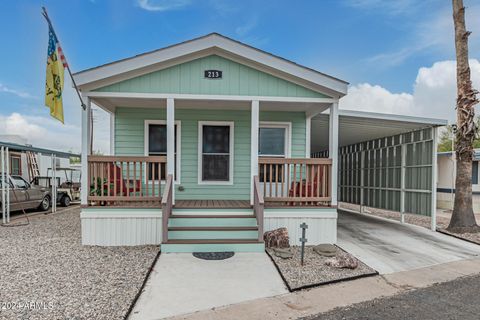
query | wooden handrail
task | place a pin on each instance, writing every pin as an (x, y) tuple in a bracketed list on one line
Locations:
[(274, 160), (296, 181), (115, 179), (167, 204), (258, 206), (157, 159)]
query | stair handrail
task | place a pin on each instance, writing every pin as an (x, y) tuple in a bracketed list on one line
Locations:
[(167, 204), (258, 206)]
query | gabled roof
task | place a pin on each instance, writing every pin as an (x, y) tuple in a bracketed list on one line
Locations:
[(212, 43)]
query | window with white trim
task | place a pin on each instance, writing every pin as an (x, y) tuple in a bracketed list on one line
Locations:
[(156, 145), (273, 141), (216, 152)]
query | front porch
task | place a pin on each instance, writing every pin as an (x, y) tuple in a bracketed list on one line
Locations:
[(140, 182)]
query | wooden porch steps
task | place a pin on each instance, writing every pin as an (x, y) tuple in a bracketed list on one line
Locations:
[(212, 230)]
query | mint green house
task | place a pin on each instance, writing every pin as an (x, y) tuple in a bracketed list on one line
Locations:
[(211, 145)]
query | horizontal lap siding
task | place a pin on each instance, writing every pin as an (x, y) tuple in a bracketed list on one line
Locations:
[(188, 78), (129, 140)]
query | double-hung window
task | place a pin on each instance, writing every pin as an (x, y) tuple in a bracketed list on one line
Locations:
[(156, 145), (273, 142), (15, 165), (215, 152)]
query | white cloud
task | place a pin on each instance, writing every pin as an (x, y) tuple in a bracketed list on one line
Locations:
[(391, 7), (434, 93), (18, 93), (162, 5), (247, 27)]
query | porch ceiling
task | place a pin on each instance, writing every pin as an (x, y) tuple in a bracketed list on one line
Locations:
[(356, 126), (110, 103)]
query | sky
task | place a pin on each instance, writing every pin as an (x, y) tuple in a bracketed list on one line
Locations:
[(397, 55)]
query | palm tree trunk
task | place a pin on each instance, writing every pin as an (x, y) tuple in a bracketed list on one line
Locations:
[(463, 219)]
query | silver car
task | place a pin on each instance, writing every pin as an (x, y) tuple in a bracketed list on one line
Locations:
[(23, 195)]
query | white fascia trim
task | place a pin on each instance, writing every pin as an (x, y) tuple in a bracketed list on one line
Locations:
[(231, 124), (288, 137), (140, 95), (323, 213), (392, 117), (211, 41), (178, 123)]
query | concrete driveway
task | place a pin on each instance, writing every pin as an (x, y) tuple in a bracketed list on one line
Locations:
[(388, 246)]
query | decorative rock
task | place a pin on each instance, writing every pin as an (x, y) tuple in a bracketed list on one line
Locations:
[(277, 238), (283, 253), (347, 262), (326, 250)]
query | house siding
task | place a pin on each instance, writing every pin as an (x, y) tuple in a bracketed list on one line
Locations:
[(188, 78), (129, 140)]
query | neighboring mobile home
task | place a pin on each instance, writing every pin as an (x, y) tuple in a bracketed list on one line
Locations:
[(22, 156), (215, 141), (446, 180)]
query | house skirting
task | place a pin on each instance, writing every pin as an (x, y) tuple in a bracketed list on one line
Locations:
[(121, 226), (322, 223), (143, 226)]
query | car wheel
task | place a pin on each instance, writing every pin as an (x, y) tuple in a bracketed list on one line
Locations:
[(45, 204), (65, 201)]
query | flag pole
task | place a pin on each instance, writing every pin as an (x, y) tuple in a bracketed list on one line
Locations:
[(45, 15)]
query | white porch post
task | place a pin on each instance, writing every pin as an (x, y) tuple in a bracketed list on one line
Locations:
[(171, 140), (333, 149), (112, 133), (308, 136), (86, 119), (255, 113), (434, 180)]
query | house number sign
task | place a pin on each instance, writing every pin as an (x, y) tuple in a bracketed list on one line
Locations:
[(213, 74)]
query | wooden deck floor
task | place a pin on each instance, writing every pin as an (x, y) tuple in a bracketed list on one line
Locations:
[(199, 204)]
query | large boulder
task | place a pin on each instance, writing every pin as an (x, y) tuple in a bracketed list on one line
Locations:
[(347, 262), (326, 250), (277, 238)]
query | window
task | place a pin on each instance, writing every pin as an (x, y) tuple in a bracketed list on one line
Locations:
[(273, 141), (20, 183), (216, 152), (156, 145), (16, 165)]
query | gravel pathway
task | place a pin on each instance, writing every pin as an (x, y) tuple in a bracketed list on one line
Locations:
[(45, 272), (314, 271)]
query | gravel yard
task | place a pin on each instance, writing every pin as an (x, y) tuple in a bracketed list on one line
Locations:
[(314, 271), (443, 220), (45, 263)]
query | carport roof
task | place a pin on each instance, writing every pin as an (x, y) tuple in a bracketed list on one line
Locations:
[(359, 126)]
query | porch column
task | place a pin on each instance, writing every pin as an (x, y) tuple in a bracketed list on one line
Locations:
[(333, 149), (171, 139), (308, 136), (255, 113), (86, 132)]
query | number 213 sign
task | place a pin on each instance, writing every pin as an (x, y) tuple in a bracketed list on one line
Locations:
[(213, 74)]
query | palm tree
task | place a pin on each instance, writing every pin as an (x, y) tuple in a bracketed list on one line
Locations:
[(463, 219)]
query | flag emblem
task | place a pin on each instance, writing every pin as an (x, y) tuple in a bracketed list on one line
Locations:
[(56, 65)]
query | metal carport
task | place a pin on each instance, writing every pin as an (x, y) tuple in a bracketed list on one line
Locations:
[(386, 161)]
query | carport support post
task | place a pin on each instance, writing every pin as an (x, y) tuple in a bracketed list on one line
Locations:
[(4, 211), (433, 219), (402, 179), (333, 150), (85, 150), (7, 185)]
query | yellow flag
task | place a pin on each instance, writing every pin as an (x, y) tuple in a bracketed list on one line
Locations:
[(56, 64)]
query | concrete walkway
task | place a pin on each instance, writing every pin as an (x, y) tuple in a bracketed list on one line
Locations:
[(389, 246), (325, 298), (181, 283)]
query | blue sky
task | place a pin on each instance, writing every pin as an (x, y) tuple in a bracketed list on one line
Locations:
[(376, 45)]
